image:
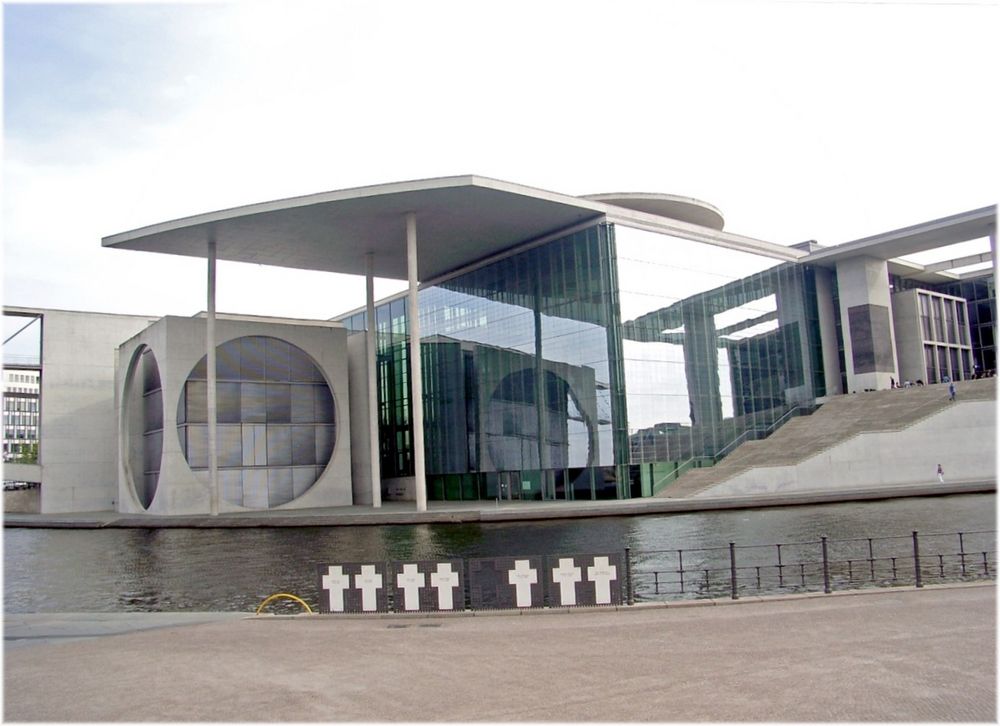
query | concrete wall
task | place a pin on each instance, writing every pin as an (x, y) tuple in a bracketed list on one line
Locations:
[(909, 336), (361, 468), (866, 322), (178, 345), (962, 438), (22, 472), (78, 430), (22, 501)]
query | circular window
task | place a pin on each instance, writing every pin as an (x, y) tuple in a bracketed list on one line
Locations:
[(275, 421), (144, 425)]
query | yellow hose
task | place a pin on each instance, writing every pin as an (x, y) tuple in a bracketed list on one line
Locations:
[(289, 596)]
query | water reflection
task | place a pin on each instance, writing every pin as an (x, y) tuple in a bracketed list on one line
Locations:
[(235, 569)]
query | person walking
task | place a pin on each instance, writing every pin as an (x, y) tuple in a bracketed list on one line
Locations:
[(951, 390), (940, 473)]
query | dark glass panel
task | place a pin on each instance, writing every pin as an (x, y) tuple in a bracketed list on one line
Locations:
[(303, 445), (324, 443), (279, 487), (196, 395), (197, 445), (581, 483), (231, 486), (302, 404), (252, 356), (228, 403), (152, 411), (255, 488), (301, 367), (229, 445), (227, 361), (277, 354), (279, 445), (279, 403), (253, 403)]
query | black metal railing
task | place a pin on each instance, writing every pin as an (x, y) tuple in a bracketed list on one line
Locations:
[(823, 565)]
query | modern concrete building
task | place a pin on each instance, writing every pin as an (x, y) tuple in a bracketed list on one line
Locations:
[(20, 413), (565, 347)]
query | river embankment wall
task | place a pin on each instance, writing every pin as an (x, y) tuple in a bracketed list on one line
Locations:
[(484, 512)]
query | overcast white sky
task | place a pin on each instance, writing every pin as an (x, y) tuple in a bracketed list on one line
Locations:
[(799, 120)]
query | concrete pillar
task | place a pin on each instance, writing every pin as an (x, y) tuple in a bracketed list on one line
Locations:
[(866, 322), (828, 331), (416, 375), (373, 449), (701, 366), (213, 449)]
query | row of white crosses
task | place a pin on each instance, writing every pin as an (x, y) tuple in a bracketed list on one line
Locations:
[(337, 582), (445, 581), (602, 573)]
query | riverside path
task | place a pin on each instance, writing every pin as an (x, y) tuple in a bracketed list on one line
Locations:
[(898, 654)]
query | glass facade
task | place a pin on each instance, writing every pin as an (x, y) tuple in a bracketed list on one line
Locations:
[(597, 365), (719, 344), (980, 296)]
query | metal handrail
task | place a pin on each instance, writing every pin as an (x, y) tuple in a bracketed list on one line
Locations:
[(756, 431), (707, 573)]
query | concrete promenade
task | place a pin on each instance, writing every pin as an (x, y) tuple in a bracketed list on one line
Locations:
[(897, 654), (487, 511)]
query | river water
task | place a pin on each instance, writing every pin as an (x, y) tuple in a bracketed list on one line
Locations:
[(107, 570)]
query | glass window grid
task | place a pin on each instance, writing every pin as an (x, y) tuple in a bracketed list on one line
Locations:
[(275, 421), (760, 369), (496, 305)]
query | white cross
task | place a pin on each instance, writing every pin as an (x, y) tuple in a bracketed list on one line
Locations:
[(369, 582), (522, 577), (335, 582), (602, 573), (566, 575), (410, 580), (445, 580)]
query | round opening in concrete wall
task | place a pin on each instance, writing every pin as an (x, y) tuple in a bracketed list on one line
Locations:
[(143, 425), (275, 419)]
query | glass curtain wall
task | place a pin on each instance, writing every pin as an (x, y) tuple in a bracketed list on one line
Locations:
[(517, 377), (719, 346), (596, 366)]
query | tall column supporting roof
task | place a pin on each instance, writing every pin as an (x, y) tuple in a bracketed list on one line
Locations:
[(416, 374), (372, 331), (213, 449)]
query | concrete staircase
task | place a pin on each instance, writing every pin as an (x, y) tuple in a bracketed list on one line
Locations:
[(839, 419)]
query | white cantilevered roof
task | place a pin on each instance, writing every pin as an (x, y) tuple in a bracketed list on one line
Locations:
[(460, 220), (918, 238)]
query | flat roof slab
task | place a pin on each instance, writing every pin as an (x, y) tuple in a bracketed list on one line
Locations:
[(459, 220)]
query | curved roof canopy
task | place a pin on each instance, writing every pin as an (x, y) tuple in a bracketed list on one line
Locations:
[(686, 209)]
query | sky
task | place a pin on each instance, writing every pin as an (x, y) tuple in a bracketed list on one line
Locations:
[(798, 120)]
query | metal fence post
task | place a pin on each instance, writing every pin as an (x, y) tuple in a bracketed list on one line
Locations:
[(732, 569), (826, 567), (916, 559), (629, 591)]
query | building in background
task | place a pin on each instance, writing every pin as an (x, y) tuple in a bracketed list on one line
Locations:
[(20, 414), (565, 348)]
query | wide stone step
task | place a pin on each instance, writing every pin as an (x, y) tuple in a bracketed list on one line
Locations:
[(839, 419)]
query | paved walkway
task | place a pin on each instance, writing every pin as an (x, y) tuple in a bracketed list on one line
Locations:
[(486, 511), (889, 655)]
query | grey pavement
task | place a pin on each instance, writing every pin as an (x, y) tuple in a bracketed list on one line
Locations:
[(487, 511), (897, 654)]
